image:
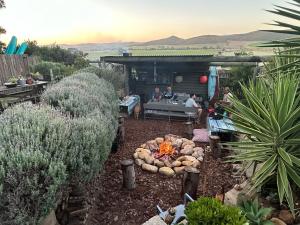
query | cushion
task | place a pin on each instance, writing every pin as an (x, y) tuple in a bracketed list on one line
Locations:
[(200, 135)]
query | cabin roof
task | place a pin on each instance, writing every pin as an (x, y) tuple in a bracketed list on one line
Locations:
[(182, 59)]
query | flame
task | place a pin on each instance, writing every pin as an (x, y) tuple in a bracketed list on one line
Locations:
[(166, 148)]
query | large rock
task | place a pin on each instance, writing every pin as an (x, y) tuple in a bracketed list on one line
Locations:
[(150, 168), (179, 170), (152, 145), (143, 150), (135, 155), (159, 140), (149, 159), (159, 163), (249, 171), (187, 150), (277, 221), (199, 149), (177, 143), (286, 216), (167, 171), (190, 158), (144, 145), (139, 162), (188, 143), (187, 163), (181, 158), (167, 163), (50, 219), (143, 155), (156, 220), (196, 164), (176, 163), (236, 197)]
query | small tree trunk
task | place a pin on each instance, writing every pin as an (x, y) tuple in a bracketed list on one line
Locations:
[(128, 174), (190, 181), (189, 129), (214, 142)]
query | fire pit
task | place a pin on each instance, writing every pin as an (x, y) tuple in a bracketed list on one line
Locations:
[(169, 155)]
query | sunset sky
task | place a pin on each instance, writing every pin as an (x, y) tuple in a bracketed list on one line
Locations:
[(91, 21)]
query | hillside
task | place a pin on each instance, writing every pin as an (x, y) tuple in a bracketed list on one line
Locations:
[(255, 36)]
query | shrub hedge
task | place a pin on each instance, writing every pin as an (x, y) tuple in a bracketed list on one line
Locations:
[(42, 148), (115, 77), (32, 172)]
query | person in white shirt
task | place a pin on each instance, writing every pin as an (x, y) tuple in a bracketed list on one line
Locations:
[(227, 97), (226, 100), (192, 103)]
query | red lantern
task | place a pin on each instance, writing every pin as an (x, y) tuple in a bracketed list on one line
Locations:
[(203, 79)]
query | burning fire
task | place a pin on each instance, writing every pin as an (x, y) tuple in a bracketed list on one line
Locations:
[(166, 148)]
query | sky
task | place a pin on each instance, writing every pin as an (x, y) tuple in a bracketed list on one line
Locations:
[(102, 21)]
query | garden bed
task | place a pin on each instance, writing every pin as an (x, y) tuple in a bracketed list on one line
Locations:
[(113, 205)]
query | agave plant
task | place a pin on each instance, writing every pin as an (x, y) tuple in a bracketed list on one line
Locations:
[(270, 115), (291, 13), (255, 213)]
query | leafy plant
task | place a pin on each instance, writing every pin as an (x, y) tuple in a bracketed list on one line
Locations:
[(210, 211), (13, 80), (270, 116), (59, 70), (255, 213)]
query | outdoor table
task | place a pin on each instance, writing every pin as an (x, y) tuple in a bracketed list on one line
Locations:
[(224, 125), (169, 108), (129, 104), (12, 95)]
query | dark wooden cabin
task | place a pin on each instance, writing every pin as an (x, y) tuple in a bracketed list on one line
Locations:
[(147, 72)]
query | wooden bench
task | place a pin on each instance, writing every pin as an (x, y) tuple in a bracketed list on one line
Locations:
[(169, 110)]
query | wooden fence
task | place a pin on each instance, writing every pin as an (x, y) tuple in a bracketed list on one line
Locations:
[(15, 65)]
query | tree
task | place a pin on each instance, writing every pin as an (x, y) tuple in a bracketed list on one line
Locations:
[(54, 53), (2, 4)]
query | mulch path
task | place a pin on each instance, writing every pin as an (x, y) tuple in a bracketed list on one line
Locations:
[(113, 205)]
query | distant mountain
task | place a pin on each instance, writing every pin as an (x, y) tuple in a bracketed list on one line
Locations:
[(173, 40), (255, 36)]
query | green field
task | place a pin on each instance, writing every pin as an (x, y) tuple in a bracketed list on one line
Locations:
[(169, 51)]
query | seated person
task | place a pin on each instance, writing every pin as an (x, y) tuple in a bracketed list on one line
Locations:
[(156, 96), (227, 97), (169, 94), (226, 102), (192, 103)]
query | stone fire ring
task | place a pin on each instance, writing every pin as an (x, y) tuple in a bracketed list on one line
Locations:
[(184, 153)]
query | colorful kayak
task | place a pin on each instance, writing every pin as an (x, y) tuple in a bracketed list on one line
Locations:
[(12, 46), (21, 50)]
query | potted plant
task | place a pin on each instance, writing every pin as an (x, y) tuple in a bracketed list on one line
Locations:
[(12, 82), (21, 81), (37, 76), (29, 79)]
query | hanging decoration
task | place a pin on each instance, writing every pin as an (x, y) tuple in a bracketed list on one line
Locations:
[(203, 79)]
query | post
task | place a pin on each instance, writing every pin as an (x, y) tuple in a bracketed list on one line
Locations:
[(190, 181), (214, 142), (189, 129), (128, 174)]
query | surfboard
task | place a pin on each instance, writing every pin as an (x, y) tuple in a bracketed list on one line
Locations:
[(11, 47), (21, 50)]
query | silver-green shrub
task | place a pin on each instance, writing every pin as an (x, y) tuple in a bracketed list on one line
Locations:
[(117, 78), (92, 105), (81, 94), (33, 145)]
